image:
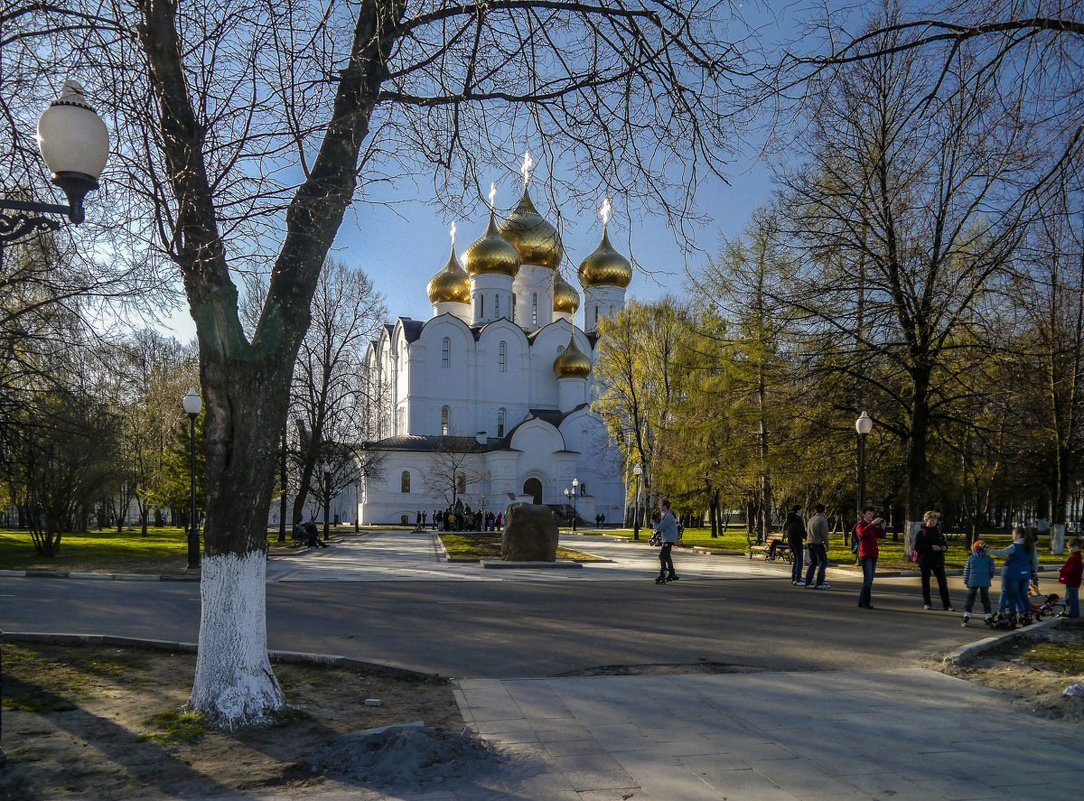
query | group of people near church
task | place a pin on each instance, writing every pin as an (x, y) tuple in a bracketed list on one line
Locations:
[(460, 517), (1019, 570)]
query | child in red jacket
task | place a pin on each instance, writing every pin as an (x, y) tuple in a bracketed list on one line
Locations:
[(1069, 575)]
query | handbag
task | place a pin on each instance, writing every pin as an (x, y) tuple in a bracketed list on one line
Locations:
[(656, 540), (914, 556)]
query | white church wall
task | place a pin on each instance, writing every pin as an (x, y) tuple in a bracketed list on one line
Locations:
[(496, 389)]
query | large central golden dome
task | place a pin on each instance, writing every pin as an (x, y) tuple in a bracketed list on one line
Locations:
[(565, 297), (605, 267), (450, 285), (573, 362), (536, 240), (491, 254)]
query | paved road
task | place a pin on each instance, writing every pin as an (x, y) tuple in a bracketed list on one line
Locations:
[(388, 599)]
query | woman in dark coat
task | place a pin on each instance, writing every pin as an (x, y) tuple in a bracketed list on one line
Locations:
[(930, 546)]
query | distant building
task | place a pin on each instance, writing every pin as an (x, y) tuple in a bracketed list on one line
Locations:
[(488, 400)]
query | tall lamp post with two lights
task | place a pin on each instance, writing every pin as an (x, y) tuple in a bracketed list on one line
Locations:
[(74, 144), (192, 404)]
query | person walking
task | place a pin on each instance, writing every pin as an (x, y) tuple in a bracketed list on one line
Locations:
[(794, 530), (667, 528), (816, 531), (930, 547), (978, 576), (1070, 575), (869, 530)]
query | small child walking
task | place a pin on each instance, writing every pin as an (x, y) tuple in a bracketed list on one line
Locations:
[(978, 575), (1070, 574)]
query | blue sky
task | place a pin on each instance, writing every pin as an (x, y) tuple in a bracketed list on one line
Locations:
[(402, 248)]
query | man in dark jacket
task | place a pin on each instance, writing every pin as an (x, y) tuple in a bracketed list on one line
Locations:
[(794, 530)]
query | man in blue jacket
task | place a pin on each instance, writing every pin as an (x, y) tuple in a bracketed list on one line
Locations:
[(667, 529)]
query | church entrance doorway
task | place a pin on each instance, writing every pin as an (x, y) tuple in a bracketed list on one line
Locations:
[(533, 487)]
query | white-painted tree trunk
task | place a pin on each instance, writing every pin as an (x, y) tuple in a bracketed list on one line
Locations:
[(1057, 539), (910, 534), (234, 684)]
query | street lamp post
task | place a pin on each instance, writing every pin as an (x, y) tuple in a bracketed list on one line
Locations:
[(357, 503), (638, 471), (327, 500), (74, 144), (575, 492), (192, 405), (863, 425)]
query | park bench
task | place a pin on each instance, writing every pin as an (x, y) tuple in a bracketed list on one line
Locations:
[(782, 550)]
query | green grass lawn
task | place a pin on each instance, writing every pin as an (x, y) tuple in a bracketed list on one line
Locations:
[(470, 546), (163, 550)]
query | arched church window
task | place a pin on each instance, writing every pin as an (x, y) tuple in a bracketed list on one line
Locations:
[(583, 489), (404, 481), (481, 305), (534, 308), (560, 349), (513, 307), (497, 306), (500, 422), (596, 315), (461, 483), (445, 352), (502, 353), (445, 413)]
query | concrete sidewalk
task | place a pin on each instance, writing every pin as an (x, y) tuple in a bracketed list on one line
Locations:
[(399, 555), (908, 735)]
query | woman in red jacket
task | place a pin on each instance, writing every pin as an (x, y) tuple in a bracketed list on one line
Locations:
[(869, 530)]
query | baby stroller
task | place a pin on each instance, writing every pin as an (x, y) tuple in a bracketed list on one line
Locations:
[(1044, 606)]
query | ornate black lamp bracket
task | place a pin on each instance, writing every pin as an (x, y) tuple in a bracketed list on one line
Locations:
[(25, 219)]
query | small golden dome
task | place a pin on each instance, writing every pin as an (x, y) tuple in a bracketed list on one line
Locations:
[(450, 285), (565, 297), (491, 254), (536, 240), (573, 362), (605, 267)]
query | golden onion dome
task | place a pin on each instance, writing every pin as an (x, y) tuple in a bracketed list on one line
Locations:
[(572, 362), (536, 240), (450, 285), (565, 297), (605, 267), (491, 254)]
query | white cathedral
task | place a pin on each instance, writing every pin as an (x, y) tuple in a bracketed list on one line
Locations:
[(495, 387)]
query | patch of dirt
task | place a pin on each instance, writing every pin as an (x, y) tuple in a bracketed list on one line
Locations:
[(1035, 669), (89, 722)]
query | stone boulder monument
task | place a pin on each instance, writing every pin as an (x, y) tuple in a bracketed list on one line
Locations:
[(530, 534)]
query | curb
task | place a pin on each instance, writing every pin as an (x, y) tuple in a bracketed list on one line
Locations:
[(965, 654), (296, 657), (64, 574), (500, 565)]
